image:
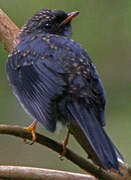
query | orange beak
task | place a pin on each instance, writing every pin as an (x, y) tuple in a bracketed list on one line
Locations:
[(70, 17)]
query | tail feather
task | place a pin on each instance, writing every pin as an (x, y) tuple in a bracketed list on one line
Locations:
[(96, 136), (119, 155)]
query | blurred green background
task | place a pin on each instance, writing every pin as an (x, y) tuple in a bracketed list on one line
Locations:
[(104, 29)]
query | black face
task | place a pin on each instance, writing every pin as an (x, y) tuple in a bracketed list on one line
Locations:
[(47, 21)]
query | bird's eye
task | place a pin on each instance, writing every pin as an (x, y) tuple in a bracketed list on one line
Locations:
[(47, 25)]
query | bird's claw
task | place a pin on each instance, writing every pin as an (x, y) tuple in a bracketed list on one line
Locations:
[(32, 129), (28, 142), (64, 144), (61, 157)]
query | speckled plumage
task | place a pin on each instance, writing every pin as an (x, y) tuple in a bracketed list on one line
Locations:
[(55, 80)]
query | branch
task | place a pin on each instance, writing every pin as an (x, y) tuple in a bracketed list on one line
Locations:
[(26, 173), (8, 34), (57, 147), (8, 31)]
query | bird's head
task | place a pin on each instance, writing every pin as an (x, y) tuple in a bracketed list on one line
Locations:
[(49, 21)]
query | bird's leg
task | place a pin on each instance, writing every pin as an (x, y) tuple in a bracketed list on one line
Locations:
[(32, 128), (64, 144)]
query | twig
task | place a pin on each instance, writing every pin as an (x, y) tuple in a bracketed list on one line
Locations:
[(31, 173)]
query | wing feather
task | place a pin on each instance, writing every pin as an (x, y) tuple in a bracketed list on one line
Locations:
[(36, 86)]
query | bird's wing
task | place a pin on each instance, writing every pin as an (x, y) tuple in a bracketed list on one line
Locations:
[(86, 87), (36, 84), (87, 111), (96, 95)]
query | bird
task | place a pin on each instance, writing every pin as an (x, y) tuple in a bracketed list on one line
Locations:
[(57, 84)]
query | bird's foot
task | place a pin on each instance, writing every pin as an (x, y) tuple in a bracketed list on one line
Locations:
[(61, 155), (64, 144), (31, 128)]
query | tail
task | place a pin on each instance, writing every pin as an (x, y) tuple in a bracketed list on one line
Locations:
[(96, 137)]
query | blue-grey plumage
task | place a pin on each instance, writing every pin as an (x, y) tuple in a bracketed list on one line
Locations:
[(55, 80)]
